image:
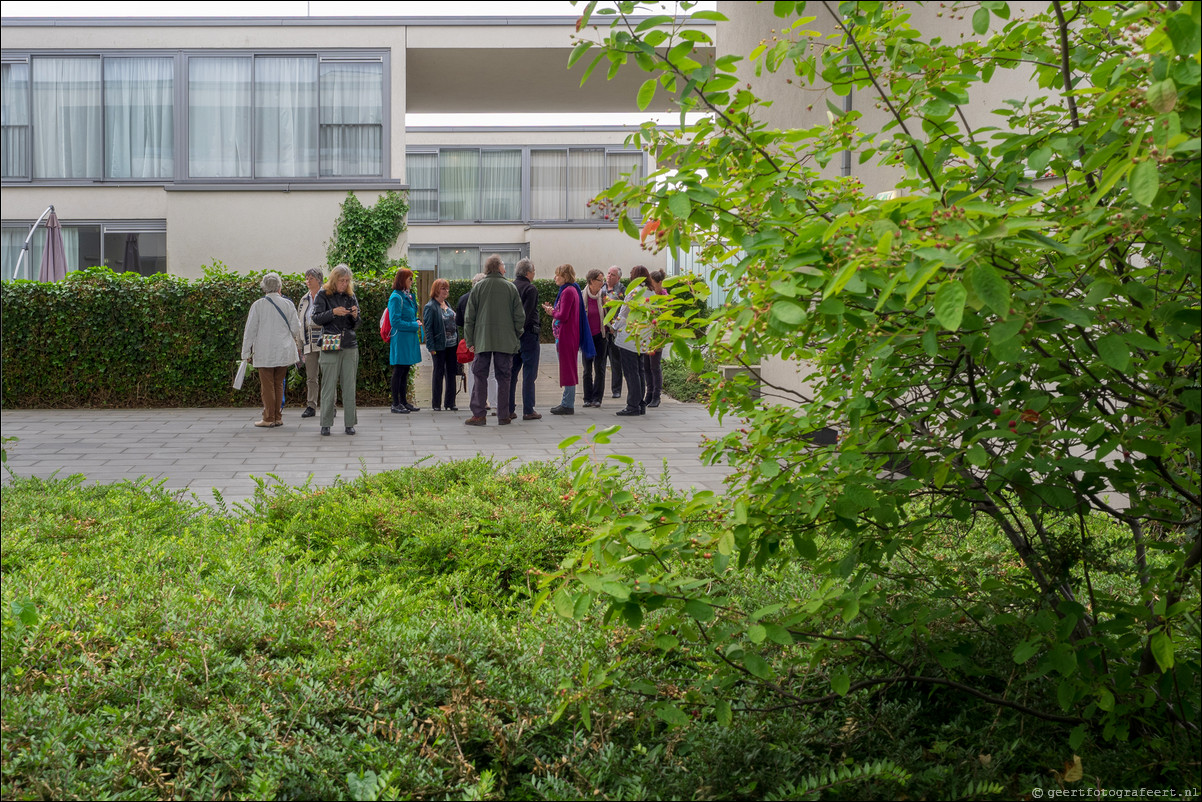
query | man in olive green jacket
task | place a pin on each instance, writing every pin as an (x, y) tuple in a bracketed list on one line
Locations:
[(492, 327)]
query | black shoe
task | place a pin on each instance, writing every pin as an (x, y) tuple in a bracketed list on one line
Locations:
[(325, 431), (350, 429), (436, 409), (642, 409), (617, 393), (309, 412), (411, 407), (452, 409), (627, 411), (562, 410), (400, 410)]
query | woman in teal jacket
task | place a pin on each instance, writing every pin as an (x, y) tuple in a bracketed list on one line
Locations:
[(404, 349)]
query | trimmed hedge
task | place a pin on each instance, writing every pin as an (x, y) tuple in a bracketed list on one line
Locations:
[(103, 339)]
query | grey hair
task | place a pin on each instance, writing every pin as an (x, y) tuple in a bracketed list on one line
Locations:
[(493, 264), (476, 279), (314, 272), (525, 267), (271, 283), (615, 267)]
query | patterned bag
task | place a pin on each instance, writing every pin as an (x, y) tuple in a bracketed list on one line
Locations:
[(331, 342)]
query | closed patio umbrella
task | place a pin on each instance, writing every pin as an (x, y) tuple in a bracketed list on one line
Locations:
[(133, 260), (54, 258)]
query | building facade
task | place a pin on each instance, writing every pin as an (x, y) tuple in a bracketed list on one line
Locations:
[(168, 144)]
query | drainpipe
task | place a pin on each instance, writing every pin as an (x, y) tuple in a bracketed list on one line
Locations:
[(25, 245), (847, 153)]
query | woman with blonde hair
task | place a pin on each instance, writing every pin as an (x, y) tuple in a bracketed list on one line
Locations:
[(571, 335), (442, 337), (271, 339), (337, 310)]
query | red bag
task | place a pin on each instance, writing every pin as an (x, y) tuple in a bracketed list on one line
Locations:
[(385, 326), (463, 354)]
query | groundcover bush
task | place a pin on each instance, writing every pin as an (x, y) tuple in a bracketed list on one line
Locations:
[(379, 639)]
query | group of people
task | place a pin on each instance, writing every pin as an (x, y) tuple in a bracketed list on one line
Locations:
[(498, 320)]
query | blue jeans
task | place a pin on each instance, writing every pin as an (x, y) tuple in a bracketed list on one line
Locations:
[(527, 359), (569, 396)]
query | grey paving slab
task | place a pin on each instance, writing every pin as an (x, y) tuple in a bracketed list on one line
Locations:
[(206, 449)]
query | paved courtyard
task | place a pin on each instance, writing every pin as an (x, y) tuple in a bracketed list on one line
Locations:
[(202, 449)]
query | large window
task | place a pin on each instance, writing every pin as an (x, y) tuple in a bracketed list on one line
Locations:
[(465, 185), (463, 261), (136, 247), (483, 185), (244, 116)]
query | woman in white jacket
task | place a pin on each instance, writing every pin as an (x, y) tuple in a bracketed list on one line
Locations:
[(271, 341)]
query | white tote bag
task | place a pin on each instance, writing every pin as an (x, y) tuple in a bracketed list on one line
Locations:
[(240, 375)]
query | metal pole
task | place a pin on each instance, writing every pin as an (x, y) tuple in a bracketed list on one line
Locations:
[(25, 245)]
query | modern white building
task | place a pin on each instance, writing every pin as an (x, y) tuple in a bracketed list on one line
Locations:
[(174, 142)]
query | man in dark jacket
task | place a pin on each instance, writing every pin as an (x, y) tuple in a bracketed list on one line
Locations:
[(613, 291), (492, 328), (527, 357)]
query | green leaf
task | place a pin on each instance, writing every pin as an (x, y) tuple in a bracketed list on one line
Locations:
[(949, 304), (699, 610), (722, 712), (1145, 181), (980, 21), (789, 313), (841, 683), (1026, 650), (1162, 96), (647, 93), (680, 205), (757, 665), (989, 285), (1114, 351), (1185, 34), (1162, 649), (673, 716)]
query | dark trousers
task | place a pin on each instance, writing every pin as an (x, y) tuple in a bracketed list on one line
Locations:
[(634, 379), (400, 384), (502, 365), (525, 362), (615, 365), (444, 378), (653, 375), (271, 384), (594, 371)]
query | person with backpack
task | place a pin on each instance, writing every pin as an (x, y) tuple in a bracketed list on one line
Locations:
[(404, 350)]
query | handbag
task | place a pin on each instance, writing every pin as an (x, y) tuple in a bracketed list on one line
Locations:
[(331, 342), (240, 375), (463, 354), (385, 326)]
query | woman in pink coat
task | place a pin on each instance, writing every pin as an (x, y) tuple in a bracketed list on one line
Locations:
[(567, 320)]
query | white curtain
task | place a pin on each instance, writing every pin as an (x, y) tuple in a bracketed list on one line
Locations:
[(11, 238), (10, 250), (285, 117), (421, 173), (14, 120), (458, 263), (501, 184), (352, 117), (139, 129), (458, 184), (628, 166), (219, 105), (67, 117), (548, 184), (586, 177)]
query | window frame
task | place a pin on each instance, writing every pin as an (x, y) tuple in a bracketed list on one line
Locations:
[(181, 168), (482, 250), (103, 227), (479, 150)]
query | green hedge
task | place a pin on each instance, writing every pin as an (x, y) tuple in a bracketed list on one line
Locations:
[(103, 339)]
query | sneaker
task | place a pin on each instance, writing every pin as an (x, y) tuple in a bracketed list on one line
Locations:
[(262, 424), (452, 409), (309, 412), (562, 410), (476, 421), (436, 409), (350, 429), (411, 407), (627, 411), (617, 394), (400, 410), (325, 431), (532, 416)]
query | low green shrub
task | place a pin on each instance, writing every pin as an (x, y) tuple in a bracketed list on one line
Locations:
[(684, 384), (376, 640)]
